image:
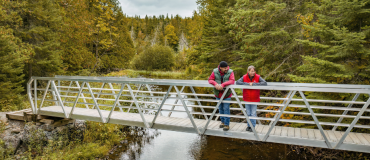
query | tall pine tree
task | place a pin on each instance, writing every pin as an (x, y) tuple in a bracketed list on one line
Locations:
[(13, 54), (338, 44), (216, 43)]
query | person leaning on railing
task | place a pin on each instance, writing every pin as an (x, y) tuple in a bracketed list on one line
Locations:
[(221, 77), (251, 95)]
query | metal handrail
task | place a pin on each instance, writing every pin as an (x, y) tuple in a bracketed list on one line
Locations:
[(206, 95), (97, 98), (316, 85)]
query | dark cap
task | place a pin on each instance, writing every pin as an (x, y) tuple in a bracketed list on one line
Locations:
[(223, 64)]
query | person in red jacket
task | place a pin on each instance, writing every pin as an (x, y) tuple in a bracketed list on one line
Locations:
[(251, 95), (221, 77)]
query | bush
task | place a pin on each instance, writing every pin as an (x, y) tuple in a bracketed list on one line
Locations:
[(155, 57)]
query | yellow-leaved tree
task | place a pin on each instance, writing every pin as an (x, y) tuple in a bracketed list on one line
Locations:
[(171, 37)]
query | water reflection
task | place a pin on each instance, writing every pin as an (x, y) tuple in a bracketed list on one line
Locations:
[(211, 147)]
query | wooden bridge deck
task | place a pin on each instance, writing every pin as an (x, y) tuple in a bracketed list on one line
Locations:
[(359, 142)]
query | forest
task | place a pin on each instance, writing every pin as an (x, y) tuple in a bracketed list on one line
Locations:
[(316, 41), (303, 41)]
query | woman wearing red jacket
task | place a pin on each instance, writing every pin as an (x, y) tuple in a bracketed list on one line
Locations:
[(251, 95)]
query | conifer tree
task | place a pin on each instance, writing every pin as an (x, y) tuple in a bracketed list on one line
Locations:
[(41, 24), (338, 41), (216, 44), (265, 33), (13, 54)]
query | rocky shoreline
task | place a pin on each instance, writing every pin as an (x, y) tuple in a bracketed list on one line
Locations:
[(17, 135)]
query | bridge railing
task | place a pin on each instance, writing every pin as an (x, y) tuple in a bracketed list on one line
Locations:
[(125, 94)]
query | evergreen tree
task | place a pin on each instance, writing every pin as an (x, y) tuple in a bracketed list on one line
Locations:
[(338, 44), (123, 51), (41, 23), (265, 33), (216, 44), (13, 54)]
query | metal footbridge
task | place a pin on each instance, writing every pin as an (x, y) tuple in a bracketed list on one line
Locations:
[(132, 101)]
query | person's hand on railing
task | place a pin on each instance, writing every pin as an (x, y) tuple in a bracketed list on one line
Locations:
[(219, 87)]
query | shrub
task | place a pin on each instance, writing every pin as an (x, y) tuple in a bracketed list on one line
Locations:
[(155, 57)]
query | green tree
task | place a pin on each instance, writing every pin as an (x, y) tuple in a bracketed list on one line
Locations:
[(111, 46), (338, 44), (40, 28), (265, 33), (13, 54), (74, 37), (216, 43), (171, 37), (124, 51), (155, 57)]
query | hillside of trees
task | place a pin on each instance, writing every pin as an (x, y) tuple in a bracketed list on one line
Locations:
[(319, 41)]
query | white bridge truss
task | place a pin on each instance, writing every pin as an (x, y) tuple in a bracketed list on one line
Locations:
[(113, 100)]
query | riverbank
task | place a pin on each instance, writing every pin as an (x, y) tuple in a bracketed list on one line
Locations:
[(150, 74), (77, 140)]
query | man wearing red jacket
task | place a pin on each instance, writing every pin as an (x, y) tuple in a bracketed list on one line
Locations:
[(251, 95), (221, 77)]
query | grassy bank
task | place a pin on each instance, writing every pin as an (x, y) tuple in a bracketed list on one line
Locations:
[(97, 141), (150, 74)]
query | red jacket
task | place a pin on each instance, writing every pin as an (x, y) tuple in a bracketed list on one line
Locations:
[(211, 80), (251, 95)]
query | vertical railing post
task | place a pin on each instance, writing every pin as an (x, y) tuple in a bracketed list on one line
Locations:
[(53, 93), (35, 93), (29, 93)]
